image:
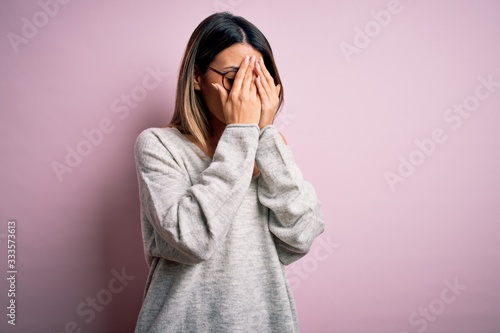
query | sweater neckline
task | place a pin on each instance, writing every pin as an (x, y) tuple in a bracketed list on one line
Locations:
[(200, 152), (197, 149)]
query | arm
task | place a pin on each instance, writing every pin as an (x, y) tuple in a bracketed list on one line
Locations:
[(190, 220), (295, 217)]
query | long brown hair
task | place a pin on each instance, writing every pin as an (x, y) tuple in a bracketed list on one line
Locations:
[(214, 34)]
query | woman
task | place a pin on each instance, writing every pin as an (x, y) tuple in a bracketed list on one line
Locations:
[(223, 205)]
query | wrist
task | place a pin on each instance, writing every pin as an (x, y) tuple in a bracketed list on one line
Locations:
[(263, 123)]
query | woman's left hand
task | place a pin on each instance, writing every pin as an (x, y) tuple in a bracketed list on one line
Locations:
[(268, 93)]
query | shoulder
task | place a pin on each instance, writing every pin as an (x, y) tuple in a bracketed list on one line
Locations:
[(156, 134), (159, 150), (156, 139)]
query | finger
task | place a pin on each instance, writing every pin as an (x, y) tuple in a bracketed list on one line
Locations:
[(264, 83), (260, 87), (268, 77), (267, 80), (222, 93), (249, 75), (240, 74), (254, 88)]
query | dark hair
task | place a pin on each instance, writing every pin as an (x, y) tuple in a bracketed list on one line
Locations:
[(213, 35)]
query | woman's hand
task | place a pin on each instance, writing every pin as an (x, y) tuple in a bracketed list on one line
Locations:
[(268, 93), (242, 105)]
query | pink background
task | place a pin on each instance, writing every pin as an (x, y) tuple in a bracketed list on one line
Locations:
[(390, 250)]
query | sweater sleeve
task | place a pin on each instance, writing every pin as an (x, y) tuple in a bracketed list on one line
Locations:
[(191, 220), (295, 217)]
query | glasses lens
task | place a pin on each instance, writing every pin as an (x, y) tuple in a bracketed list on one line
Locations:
[(229, 79)]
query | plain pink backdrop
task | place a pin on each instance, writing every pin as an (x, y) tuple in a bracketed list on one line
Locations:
[(364, 82)]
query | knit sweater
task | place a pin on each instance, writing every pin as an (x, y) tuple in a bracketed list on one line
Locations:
[(216, 238)]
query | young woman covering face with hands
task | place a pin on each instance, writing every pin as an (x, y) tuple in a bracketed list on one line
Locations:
[(223, 205)]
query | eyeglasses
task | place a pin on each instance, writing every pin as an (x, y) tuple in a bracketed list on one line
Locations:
[(227, 77)]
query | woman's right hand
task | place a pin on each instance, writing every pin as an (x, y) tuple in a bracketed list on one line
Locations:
[(242, 105)]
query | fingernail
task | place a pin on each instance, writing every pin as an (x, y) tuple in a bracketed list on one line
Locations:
[(261, 60), (216, 88), (253, 59), (246, 59)]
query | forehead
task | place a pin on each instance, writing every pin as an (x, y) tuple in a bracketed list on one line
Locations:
[(234, 55)]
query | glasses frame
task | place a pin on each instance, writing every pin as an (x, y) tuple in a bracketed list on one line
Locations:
[(223, 74)]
